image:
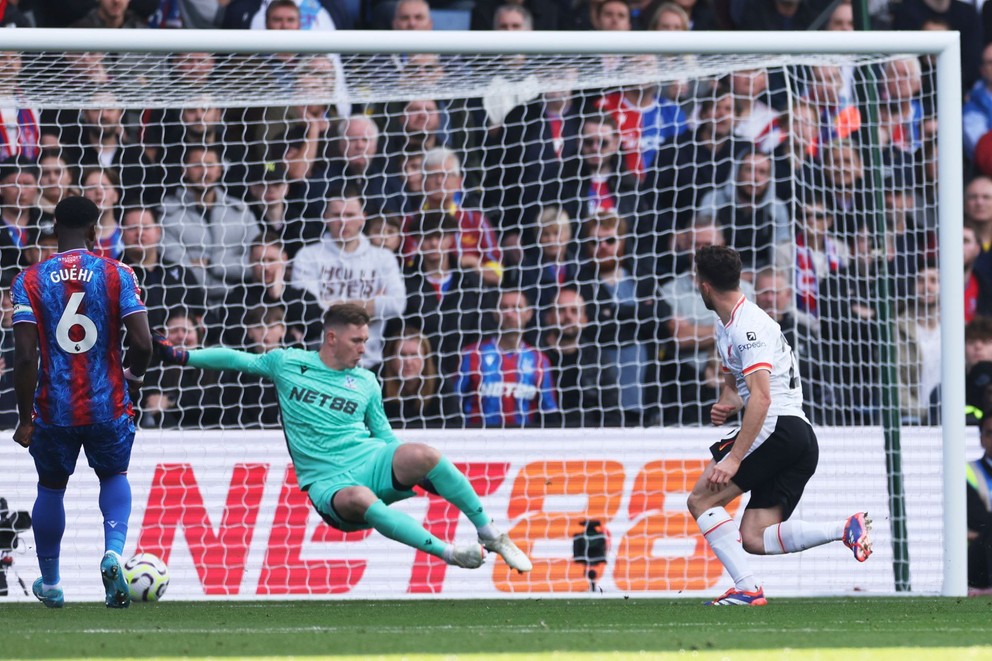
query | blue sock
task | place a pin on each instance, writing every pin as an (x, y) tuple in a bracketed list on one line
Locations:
[(115, 503), (48, 523)]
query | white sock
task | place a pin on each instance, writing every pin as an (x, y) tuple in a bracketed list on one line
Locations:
[(488, 531), (446, 554), (46, 586), (795, 536), (724, 537)]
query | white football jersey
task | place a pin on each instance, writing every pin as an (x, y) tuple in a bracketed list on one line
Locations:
[(753, 341)]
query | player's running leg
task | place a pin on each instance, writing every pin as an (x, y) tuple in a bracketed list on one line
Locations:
[(115, 504), (722, 534), (48, 523), (796, 536), (452, 485)]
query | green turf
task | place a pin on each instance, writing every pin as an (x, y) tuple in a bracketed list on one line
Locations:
[(464, 627)]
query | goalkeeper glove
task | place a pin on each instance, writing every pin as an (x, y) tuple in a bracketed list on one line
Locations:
[(168, 352)]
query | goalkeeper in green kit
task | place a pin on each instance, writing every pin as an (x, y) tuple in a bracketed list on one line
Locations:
[(346, 456)]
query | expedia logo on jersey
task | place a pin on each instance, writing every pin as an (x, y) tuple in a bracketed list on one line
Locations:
[(750, 345), (751, 336), (503, 389), (308, 396)]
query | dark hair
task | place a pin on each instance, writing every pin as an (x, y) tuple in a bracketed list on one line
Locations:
[(345, 314), (720, 266), (265, 314), (154, 211), (979, 328), (266, 238), (76, 212), (278, 4), (435, 221)]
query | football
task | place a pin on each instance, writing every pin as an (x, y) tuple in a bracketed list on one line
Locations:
[(147, 577)]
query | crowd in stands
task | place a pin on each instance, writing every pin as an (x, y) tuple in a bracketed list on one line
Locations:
[(527, 265)]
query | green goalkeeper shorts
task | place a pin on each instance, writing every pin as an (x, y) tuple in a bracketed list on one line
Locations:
[(375, 473)]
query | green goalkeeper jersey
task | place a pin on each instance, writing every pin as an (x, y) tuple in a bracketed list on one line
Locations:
[(333, 419)]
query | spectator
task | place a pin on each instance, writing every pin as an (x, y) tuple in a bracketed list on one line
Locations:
[(755, 121), (918, 345), (978, 209), (552, 264), (385, 232), (977, 286), (486, 14), (176, 396), (612, 15), (450, 304), (841, 18), (206, 230), (979, 504), (20, 129), (588, 390), (18, 209), (42, 244), (775, 14), (669, 17), (531, 159), (753, 219), (623, 307), (958, 15), (268, 201), (267, 289), (101, 187), (646, 120), (513, 18), (411, 387), (977, 342), (604, 185), (412, 170), (902, 114), (977, 110), (840, 118), (846, 190), (693, 324), (814, 256), (55, 182), (698, 162), (95, 137), (8, 399), (165, 285), (773, 294), (345, 267), (503, 381), (111, 14), (849, 330), (796, 158), (188, 14), (360, 165), (477, 247), (412, 15)]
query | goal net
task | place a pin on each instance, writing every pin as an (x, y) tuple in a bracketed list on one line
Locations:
[(521, 228)]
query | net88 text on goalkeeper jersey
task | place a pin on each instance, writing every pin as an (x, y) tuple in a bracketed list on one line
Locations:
[(333, 419)]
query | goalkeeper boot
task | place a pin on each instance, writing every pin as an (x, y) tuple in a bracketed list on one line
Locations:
[(114, 582), (736, 597), (513, 556), (857, 535), (467, 557), (52, 597)]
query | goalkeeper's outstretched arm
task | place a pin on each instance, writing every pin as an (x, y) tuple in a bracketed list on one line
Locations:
[(214, 358)]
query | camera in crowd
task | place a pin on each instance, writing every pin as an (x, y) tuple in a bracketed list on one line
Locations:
[(12, 523)]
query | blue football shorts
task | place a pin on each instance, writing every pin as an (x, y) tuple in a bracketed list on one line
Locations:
[(107, 444)]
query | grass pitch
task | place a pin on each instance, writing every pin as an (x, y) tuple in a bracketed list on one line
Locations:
[(901, 628)]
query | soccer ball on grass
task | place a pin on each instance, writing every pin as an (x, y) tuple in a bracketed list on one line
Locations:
[(147, 577)]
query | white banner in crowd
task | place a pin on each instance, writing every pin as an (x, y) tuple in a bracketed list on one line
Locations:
[(224, 511)]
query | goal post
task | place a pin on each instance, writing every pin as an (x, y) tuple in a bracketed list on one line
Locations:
[(366, 75)]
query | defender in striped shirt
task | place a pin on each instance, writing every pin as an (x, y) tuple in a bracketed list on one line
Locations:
[(774, 452), (72, 388)]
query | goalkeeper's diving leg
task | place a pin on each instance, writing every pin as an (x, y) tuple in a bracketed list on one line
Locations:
[(419, 464)]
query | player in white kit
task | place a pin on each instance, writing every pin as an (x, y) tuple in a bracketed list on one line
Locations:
[(772, 455)]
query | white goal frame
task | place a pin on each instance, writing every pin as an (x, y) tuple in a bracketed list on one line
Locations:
[(944, 45)]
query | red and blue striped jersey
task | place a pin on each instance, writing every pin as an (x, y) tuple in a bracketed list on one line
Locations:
[(78, 300), (504, 389)]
